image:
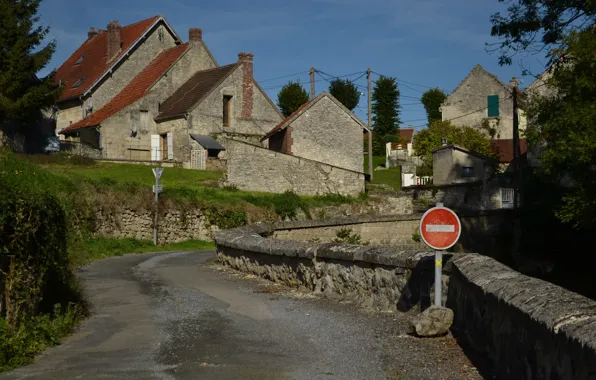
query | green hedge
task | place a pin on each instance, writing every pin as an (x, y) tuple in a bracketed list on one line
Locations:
[(36, 278)]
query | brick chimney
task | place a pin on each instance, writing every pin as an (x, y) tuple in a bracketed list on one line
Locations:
[(195, 35), (113, 39), (246, 59), (92, 33)]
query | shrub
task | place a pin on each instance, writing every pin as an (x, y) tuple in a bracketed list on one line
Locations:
[(345, 235)]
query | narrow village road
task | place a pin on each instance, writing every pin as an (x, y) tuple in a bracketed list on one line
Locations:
[(175, 316)]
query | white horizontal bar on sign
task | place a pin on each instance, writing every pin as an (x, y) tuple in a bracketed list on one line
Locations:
[(440, 228)]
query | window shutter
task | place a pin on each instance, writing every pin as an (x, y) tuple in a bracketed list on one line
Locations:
[(170, 146), (493, 105), (155, 152)]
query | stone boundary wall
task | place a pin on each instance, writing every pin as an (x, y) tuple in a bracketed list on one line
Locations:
[(526, 328), (384, 278), (258, 169), (520, 327)]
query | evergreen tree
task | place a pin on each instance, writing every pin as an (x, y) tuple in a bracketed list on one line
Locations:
[(291, 97), (22, 93), (385, 106), (432, 100), (346, 92)]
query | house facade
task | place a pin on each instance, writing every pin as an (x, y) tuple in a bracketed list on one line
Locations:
[(453, 164), (481, 99), (177, 94)]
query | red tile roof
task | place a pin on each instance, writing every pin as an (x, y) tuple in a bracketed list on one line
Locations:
[(285, 121), (95, 61), (135, 90), (504, 149), (406, 134)]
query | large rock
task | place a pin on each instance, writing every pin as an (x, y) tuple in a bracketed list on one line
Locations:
[(435, 320)]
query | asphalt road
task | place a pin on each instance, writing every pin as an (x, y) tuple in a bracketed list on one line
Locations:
[(174, 316)]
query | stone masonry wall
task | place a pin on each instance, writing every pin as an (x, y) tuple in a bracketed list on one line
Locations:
[(526, 328), (326, 133), (383, 278), (258, 169)]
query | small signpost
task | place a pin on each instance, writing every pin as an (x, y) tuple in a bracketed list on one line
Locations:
[(440, 229), (157, 188)]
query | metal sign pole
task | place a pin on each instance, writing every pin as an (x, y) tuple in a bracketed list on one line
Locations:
[(156, 190), (438, 277)]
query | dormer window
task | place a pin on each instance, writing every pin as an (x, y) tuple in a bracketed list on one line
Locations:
[(81, 58), (78, 83)]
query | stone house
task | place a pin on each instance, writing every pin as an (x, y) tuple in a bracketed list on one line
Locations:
[(322, 130), (222, 102), (453, 164), (141, 122), (481, 98), (316, 150)]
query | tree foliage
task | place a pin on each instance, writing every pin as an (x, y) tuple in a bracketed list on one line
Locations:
[(432, 100), (22, 93), (385, 106), (291, 97), (563, 132), (346, 92), (431, 138), (533, 25)]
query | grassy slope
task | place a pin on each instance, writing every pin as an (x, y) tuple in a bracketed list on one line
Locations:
[(389, 177)]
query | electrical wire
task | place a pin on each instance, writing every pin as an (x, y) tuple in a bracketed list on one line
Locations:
[(285, 76)]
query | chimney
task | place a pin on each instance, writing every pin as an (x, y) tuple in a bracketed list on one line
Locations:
[(92, 33), (513, 83), (113, 39), (195, 35), (246, 59)]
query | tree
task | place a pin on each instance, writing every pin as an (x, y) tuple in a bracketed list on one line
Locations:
[(562, 130), (22, 93), (432, 100), (385, 106), (346, 92), (427, 140), (534, 25), (291, 97)]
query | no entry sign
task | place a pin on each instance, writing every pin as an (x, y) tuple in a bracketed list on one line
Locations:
[(440, 228)]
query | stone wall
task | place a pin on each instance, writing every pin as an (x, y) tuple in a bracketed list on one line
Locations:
[(383, 278), (526, 328), (478, 196), (258, 169)]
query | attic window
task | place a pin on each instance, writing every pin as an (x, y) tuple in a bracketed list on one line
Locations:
[(78, 83), (227, 108), (81, 58)]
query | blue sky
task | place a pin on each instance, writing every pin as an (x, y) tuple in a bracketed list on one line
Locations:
[(426, 42)]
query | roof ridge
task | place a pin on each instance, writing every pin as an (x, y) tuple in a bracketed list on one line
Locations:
[(140, 21)]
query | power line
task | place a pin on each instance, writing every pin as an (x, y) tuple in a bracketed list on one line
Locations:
[(285, 76)]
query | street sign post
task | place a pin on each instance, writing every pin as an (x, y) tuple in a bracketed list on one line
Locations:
[(157, 172), (440, 229)]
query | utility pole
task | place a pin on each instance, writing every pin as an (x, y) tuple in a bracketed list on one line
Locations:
[(370, 158), (516, 147), (312, 82)]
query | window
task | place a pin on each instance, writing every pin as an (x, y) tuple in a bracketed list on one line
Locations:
[(81, 58), (227, 110), (78, 83), (507, 198), (493, 105), (467, 171)]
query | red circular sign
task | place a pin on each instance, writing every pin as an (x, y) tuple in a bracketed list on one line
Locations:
[(440, 228)]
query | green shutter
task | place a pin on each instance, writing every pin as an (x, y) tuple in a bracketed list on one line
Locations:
[(493, 105)]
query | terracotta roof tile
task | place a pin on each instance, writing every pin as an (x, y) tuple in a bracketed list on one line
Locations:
[(504, 149), (193, 91), (95, 61), (407, 134), (135, 90)]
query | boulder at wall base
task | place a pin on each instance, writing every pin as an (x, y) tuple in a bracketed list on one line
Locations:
[(435, 320)]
